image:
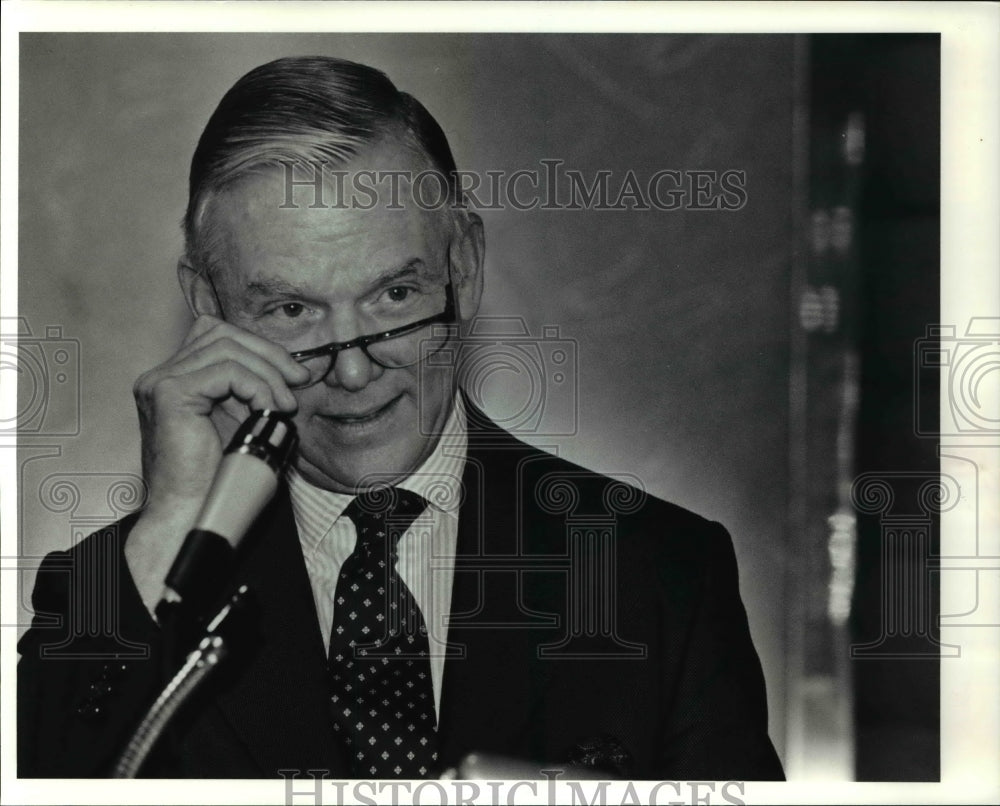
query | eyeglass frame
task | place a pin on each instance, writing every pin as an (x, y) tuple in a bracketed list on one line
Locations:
[(446, 317), (334, 348)]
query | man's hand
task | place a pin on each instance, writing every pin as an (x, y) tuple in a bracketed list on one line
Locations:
[(189, 407)]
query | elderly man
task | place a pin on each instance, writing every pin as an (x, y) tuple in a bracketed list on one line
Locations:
[(425, 590)]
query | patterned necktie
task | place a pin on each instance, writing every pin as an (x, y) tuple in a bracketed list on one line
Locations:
[(382, 694)]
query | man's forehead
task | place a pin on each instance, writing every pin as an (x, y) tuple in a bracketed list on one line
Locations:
[(253, 240), (389, 174)]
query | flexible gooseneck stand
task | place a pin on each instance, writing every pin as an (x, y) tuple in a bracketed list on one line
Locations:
[(224, 636)]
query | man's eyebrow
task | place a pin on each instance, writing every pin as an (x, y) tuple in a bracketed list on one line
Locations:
[(413, 268), (276, 286), (272, 287)]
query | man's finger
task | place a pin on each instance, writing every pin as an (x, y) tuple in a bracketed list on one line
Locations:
[(211, 330), (225, 350)]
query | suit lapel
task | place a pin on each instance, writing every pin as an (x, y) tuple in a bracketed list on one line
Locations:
[(278, 705), (498, 638)]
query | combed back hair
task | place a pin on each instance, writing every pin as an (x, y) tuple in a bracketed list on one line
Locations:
[(303, 109)]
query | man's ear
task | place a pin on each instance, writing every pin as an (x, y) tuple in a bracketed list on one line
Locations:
[(467, 259), (197, 290)]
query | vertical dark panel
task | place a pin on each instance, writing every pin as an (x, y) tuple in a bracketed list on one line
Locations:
[(898, 697)]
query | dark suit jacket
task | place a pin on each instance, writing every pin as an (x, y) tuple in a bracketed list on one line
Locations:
[(661, 666)]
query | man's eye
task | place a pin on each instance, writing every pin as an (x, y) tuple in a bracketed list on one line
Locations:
[(398, 293), (292, 309)]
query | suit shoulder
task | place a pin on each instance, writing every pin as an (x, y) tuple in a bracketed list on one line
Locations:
[(559, 485), (623, 494), (104, 541), (77, 577)]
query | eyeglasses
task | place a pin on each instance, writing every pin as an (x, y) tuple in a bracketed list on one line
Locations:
[(399, 347), (394, 348)]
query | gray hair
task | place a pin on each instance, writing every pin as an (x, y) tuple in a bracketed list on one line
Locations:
[(304, 109)]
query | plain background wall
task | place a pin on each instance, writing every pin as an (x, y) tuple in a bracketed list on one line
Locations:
[(680, 318)]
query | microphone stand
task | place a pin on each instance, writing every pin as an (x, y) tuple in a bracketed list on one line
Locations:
[(244, 482), (225, 635)]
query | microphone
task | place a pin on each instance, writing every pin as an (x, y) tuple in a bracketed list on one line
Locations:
[(244, 483)]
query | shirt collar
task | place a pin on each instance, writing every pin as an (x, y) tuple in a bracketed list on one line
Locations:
[(438, 480)]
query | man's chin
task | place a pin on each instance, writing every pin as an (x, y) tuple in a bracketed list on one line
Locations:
[(351, 474)]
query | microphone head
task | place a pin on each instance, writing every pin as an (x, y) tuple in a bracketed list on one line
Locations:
[(268, 435)]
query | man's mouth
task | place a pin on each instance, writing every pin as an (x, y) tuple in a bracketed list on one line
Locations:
[(361, 418)]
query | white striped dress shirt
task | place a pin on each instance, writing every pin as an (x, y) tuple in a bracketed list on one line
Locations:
[(426, 550)]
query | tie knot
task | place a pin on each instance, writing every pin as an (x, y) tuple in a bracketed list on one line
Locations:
[(384, 514)]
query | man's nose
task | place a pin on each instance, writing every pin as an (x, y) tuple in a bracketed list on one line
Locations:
[(353, 370)]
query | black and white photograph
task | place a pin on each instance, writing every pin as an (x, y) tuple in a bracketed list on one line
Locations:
[(569, 409)]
